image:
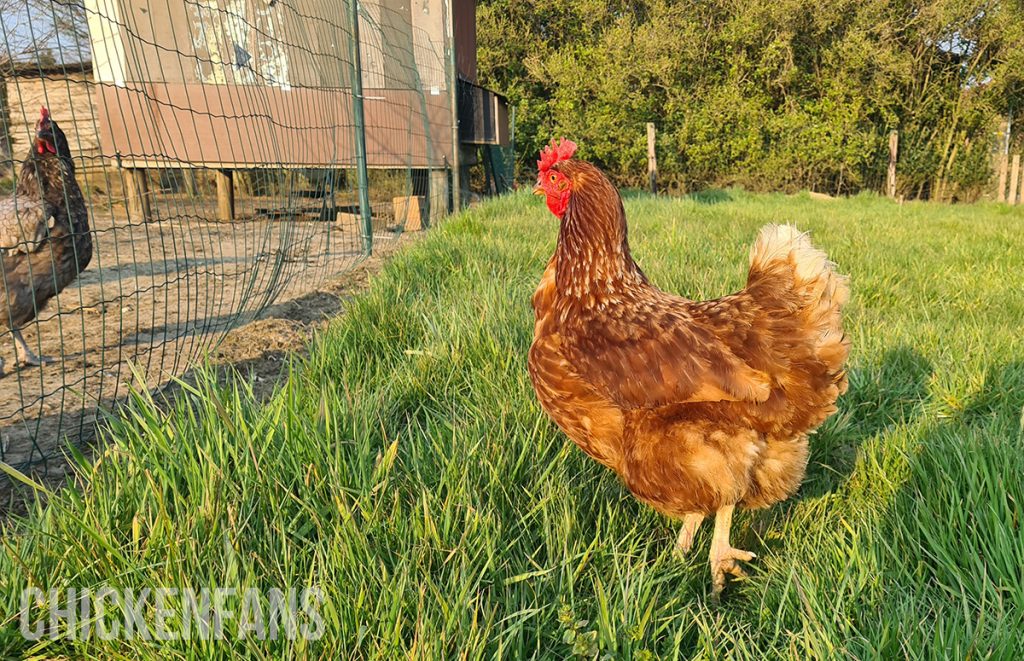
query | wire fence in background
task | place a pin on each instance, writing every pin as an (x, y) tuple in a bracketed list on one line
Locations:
[(225, 159)]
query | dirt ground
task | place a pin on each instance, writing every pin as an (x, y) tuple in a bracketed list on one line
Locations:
[(159, 295)]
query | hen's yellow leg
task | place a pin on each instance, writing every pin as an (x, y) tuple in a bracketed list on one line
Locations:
[(724, 558), (686, 534)]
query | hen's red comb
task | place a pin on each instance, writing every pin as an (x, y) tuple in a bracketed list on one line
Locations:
[(556, 152), (44, 114)]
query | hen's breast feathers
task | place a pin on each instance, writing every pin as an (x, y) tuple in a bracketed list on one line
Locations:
[(24, 224), (544, 297)]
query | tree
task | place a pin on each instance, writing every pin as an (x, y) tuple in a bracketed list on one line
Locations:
[(785, 95), (40, 32)]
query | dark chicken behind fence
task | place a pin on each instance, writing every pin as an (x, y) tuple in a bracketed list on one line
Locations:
[(45, 240)]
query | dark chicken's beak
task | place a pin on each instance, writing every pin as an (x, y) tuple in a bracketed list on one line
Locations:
[(537, 190), (44, 129)]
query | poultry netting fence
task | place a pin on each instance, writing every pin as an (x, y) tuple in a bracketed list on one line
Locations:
[(220, 155)]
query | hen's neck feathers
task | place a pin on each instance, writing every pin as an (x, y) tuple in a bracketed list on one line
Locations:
[(51, 179), (592, 261), (44, 176)]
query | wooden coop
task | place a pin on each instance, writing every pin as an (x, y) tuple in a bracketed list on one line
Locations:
[(226, 85)]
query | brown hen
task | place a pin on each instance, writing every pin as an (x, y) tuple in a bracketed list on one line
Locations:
[(699, 406)]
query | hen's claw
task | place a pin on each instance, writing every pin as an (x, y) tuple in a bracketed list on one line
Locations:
[(36, 360), (726, 561)]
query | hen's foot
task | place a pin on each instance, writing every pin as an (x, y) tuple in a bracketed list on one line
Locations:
[(724, 558), (726, 561), (35, 360), (687, 533), (25, 355)]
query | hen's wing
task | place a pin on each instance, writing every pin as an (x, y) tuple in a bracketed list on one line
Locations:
[(24, 224), (660, 351)]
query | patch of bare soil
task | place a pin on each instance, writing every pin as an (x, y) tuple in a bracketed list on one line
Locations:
[(262, 347)]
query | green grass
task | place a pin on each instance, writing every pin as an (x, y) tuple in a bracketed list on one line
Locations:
[(407, 469)]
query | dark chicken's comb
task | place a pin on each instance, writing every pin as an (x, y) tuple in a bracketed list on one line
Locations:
[(44, 114), (556, 152)]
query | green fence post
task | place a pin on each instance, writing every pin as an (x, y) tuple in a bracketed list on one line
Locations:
[(452, 74), (512, 149), (359, 119)]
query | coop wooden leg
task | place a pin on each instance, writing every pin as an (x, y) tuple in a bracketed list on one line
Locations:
[(225, 196), (137, 184), (191, 185)]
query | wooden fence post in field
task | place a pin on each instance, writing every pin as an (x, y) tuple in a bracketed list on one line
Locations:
[(894, 147), (1014, 179), (652, 159), (1001, 191)]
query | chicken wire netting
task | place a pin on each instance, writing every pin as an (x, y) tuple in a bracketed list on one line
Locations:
[(218, 149)]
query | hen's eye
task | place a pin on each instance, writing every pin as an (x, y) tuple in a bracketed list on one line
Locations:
[(553, 178)]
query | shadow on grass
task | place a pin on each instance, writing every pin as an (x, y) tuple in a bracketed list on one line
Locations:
[(705, 197), (939, 537), (1002, 395), (952, 537), (882, 395), (710, 196)]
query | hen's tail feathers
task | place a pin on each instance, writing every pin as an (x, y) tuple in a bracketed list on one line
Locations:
[(784, 263)]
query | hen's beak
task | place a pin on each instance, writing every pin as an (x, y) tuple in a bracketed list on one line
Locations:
[(537, 190), (44, 131)]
